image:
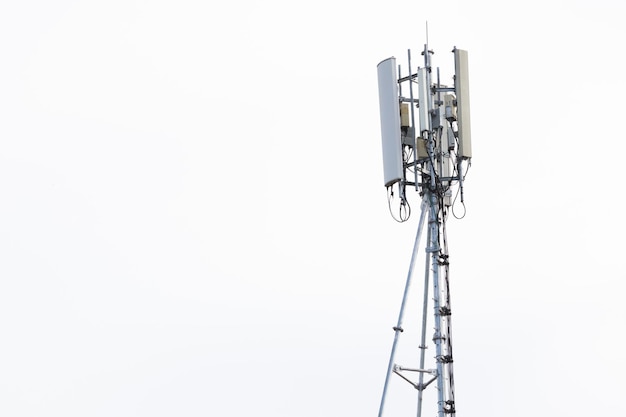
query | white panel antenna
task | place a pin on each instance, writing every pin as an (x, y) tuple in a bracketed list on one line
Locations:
[(390, 121), (424, 99), (461, 86)]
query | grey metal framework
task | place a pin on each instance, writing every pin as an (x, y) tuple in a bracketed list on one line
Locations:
[(433, 157)]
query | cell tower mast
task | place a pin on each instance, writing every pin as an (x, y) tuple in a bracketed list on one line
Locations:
[(428, 156)]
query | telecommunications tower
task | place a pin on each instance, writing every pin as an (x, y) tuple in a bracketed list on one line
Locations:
[(426, 143)]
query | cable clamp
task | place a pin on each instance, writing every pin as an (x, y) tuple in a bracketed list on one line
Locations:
[(445, 359), (438, 337), (398, 329), (450, 409)]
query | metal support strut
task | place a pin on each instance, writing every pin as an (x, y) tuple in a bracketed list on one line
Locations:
[(398, 328)]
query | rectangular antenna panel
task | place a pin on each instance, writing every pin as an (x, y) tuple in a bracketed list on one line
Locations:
[(461, 86), (424, 99), (390, 121)]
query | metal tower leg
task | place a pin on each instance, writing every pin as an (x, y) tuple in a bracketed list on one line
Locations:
[(433, 249), (398, 328), (423, 340)]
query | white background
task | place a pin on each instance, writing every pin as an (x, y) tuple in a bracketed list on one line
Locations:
[(193, 220)]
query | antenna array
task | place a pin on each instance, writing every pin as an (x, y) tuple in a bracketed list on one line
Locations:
[(426, 140)]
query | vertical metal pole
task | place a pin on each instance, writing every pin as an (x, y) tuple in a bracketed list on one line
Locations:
[(398, 328), (424, 322), (433, 244), (433, 249), (400, 76), (413, 122), (447, 323), (438, 134)]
